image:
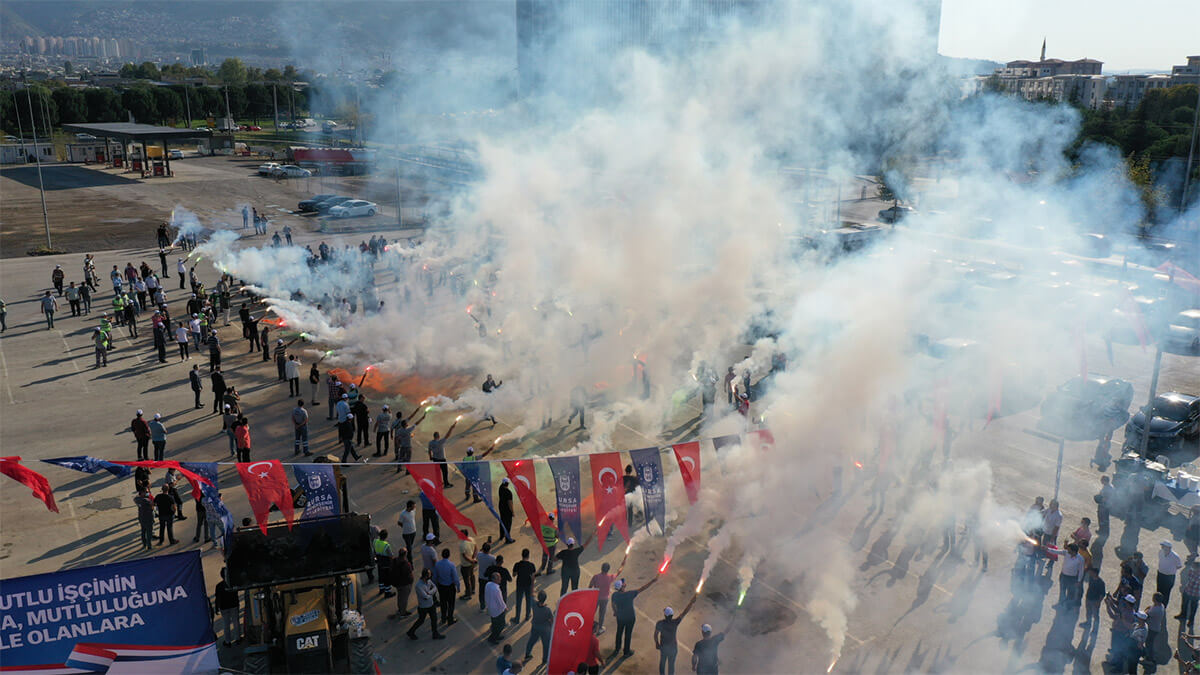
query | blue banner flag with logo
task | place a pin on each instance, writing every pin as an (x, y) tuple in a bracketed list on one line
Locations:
[(91, 465), (210, 496), (567, 493), (320, 490), (722, 442), (648, 466), (479, 475), (144, 616)]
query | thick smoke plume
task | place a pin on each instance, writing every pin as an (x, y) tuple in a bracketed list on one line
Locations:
[(621, 243)]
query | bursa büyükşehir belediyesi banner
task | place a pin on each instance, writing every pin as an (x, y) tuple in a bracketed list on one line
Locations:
[(144, 616)]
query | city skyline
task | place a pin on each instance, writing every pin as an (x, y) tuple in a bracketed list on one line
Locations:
[(1111, 31)]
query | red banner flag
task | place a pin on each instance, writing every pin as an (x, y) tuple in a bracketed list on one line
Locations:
[(266, 483), (524, 478), (192, 476), (571, 638), (763, 439), (688, 456), (608, 493), (429, 479), (11, 467)]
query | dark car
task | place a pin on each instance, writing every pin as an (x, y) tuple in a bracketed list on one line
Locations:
[(895, 214), (1175, 419), (1091, 245), (324, 206), (1086, 409), (310, 204)]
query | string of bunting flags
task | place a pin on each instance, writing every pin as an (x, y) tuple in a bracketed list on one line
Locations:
[(267, 485)]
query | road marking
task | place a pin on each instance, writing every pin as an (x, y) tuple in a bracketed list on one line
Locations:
[(71, 357), (74, 520), (7, 379)]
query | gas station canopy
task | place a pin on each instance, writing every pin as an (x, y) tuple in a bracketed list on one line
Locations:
[(126, 132)]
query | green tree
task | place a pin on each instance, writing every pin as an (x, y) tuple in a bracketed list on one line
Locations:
[(258, 98), (140, 102), (72, 106), (232, 71), (290, 74), (103, 105), (237, 102), (273, 75), (1142, 176), (168, 104)]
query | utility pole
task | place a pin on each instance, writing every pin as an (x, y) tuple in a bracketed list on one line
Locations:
[(38, 157), (187, 101), (275, 102), (1148, 411)]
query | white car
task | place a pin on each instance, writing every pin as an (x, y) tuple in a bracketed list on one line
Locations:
[(354, 207), (291, 171), (175, 153), (268, 168)]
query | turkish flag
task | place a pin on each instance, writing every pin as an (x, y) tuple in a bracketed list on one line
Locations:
[(266, 483), (524, 478), (608, 493), (688, 456), (571, 638), (763, 438), (429, 479), (11, 467)]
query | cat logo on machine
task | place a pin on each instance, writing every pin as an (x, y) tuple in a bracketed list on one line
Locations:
[(307, 642)]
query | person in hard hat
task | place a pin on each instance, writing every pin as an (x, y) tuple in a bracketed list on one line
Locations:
[(665, 637)]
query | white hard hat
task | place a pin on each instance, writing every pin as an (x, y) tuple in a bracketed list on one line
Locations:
[(668, 612), (706, 629)]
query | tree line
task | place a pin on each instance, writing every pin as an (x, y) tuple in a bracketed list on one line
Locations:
[(57, 103)]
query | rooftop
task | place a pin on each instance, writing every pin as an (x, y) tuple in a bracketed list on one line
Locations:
[(126, 131)]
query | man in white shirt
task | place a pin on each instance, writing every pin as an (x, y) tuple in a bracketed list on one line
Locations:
[(495, 607), (1168, 566), (1051, 522), (408, 526), (1070, 576)]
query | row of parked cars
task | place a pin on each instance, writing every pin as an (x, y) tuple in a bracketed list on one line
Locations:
[(283, 170), (338, 206)]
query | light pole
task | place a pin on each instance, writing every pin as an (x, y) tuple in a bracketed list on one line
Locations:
[(38, 157)]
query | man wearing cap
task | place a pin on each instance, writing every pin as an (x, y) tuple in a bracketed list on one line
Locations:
[(281, 364), (664, 637), (1123, 615), (428, 552), (402, 431), (383, 562), (160, 337), (1169, 564), (57, 277), (100, 343), (570, 565), (158, 436), (623, 612), (346, 435), (704, 654), (342, 410), (141, 433), (1190, 588), (383, 431), (194, 329)]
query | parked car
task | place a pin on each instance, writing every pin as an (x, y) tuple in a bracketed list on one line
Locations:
[(253, 127), (1183, 330), (267, 169), (353, 207), (291, 171), (324, 206), (1175, 418), (894, 214), (310, 204), (175, 153), (1086, 409), (84, 137)]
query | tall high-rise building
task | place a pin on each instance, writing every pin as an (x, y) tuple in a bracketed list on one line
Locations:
[(199, 57)]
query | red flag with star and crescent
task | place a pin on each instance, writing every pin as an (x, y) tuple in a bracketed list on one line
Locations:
[(688, 457), (608, 492), (524, 479), (12, 467), (429, 479), (266, 484), (571, 638)]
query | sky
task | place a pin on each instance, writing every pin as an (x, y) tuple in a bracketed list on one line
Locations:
[(1144, 35)]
